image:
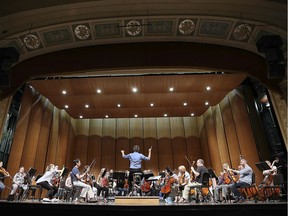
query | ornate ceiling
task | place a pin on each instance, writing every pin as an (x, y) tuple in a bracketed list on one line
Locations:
[(38, 28)]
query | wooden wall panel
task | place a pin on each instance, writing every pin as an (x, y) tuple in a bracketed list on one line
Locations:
[(192, 139), (42, 146), (221, 137), (81, 140), (19, 136), (94, 144), (32, 135), (70, 148), (54, 135), (230, 132), (165, 150), (245, 136), (63, 139), (178, 142), (136, 134), (203, 141), (108, 144), (122, 143), (150, 139)]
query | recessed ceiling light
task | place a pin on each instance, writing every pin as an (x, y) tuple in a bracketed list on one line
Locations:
[(184, 104), (192, 114), (171, 89), (106, 116), (98, 91), (135, 115), (134, 90), (81, 116), (118, 105), (206, 103), (87, 106), (64, 92), (208, 88), (66, 106), (165, 115), (151, 104)]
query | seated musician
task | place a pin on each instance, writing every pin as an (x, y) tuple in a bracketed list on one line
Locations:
[(18, 184), (196, 183), (166, 188), (103, 186), (183, 179), (146, 186), (87, 194), (3, 174), (225, 181), (245, 178), (46, 182)]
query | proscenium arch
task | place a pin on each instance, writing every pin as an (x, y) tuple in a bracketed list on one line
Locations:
[(145, 55)]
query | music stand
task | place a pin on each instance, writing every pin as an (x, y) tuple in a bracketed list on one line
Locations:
[(148, 175), (262, 166), (64, 172), (119, 176), (162, 174)]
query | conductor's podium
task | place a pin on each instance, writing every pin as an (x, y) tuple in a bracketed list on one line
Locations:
[(136, 200)]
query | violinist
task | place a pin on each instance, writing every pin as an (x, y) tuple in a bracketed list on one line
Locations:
[(103, 185), (225, 181), (146, 186), (183, 179), (18, 183), (3, 174), (245, 173), (198, 173)]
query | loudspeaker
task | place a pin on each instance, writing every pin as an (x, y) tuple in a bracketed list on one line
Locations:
[(267, 42), (270, 45)]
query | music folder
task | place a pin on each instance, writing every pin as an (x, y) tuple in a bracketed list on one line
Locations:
[(153, 178), (262, 166)]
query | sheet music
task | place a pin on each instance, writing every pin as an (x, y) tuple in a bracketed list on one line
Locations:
[(153, 178)]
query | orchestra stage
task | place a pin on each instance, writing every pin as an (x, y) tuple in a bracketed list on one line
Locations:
[(40, 208)]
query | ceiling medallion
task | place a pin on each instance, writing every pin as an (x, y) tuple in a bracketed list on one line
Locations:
[(242, 32), (31, 41), (82, 32), (133, 28), (186, 27)]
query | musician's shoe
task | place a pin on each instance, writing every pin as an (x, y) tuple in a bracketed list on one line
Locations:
[(241, 199), (93, 200), (46, 200)]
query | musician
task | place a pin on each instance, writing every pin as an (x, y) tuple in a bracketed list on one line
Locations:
[(245, 178), (166, 189), (271, 171), (198, 173), (3, 174), (135, 159), (76, 177), (225, 181), (46, 182), (183, 178), (103, 185), (146, 186), (18, 183)]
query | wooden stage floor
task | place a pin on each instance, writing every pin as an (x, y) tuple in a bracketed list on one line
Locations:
[(41, 208)]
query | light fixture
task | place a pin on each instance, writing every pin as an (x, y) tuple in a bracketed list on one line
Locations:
[(106, 116), (171, 89), (118, 105), (151, 104), (98, 91), (165, 115), (81, 116), (64, 92), (135, 115), (184, 104), (208, 88), (87, 106), (134, 89), (66, 106), (192, 114), (206, 103)]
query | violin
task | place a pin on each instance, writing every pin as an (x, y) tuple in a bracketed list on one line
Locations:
[(4, 172), (145, 187)]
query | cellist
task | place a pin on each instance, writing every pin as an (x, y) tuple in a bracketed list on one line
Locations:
[(166, 189), (225, 181)]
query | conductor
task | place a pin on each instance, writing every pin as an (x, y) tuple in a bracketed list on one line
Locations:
[(135, 159)]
